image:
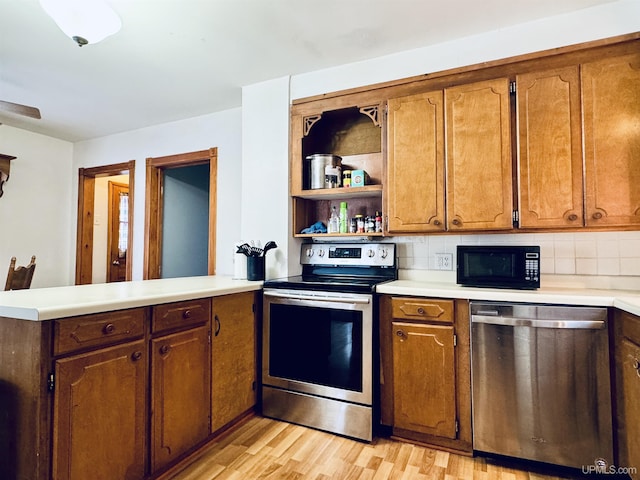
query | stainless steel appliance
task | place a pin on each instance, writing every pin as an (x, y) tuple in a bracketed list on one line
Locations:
[(498, 266), (540, 383), (319, 338)]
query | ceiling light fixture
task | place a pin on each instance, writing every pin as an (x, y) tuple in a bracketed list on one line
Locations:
[(85, 21)]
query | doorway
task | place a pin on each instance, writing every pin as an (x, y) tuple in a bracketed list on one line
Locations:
[(87, 243), (164, 229), (118, 227)]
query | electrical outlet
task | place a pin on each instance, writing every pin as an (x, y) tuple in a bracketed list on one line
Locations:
[(444, 261)]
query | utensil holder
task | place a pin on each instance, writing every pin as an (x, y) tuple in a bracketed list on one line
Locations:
[(255, 268)]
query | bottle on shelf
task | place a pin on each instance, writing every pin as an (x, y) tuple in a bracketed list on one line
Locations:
[(334, 221), (344, 228)]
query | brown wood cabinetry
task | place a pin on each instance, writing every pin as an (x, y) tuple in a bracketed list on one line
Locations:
[(611, 109), (415, 169), (180, 393), (122, 395), (425, 370), (233, 358), (627, 355), (351, 128), (550, 149), (479, 161), (99, 414)]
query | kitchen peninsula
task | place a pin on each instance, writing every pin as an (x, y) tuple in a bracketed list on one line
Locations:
[(122, 380)]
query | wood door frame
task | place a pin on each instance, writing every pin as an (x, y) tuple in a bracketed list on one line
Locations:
[(86, 207), (153, 206)]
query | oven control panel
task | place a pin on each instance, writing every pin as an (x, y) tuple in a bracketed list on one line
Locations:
[(360, 254)]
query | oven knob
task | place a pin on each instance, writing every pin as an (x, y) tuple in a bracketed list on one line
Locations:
[(309, 252), (383, 253), (371, 253), (321, 253)]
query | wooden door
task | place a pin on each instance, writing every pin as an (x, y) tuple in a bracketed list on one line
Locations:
[(550, 149), (424, 379), (611, 109), (415, 178), (117, 238), (233, 358), (99, 414), (180, 385), (478, 156)]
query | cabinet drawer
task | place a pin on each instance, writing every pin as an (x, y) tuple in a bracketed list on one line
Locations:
[(180, 314), (422, 309), (76, 333)]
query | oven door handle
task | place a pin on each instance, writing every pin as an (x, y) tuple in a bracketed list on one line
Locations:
[(318, 298)]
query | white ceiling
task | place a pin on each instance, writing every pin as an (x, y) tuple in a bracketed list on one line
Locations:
[(176, 59)]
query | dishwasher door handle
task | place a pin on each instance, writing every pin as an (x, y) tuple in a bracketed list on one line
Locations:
[(534, 323)]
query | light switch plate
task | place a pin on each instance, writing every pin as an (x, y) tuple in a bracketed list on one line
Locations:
[(444, 261)]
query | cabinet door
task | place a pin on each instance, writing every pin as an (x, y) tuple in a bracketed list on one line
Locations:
[(415, 178), (611, 105), (550, 148), (424, 379), (179, 393), (629, 366), (99, 414), (233, 358), (479, 160)]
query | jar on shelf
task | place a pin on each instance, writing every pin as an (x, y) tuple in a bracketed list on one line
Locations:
[(346, 178)]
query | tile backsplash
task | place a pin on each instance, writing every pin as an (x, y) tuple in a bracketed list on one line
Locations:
[(573, 253)]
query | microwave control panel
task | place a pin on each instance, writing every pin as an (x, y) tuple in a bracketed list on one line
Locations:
[(532, 266)]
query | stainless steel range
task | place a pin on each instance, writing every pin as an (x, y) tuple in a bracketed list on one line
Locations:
[(319, 338)]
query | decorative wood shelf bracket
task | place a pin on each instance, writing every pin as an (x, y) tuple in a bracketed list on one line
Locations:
[(373, 113), (5, 166), (310, 122)]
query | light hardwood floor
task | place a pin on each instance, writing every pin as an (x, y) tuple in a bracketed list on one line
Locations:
[(262, 448)]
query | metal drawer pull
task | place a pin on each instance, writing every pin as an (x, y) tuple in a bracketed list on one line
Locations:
[(108, 328), (186, 314)]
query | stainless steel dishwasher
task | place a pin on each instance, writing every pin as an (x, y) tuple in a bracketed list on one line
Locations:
[(540, 383)]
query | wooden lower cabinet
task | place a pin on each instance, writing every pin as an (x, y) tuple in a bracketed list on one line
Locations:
[(233, 358), (180, 389), (99, 414), (425, 375), (424, 398), (628, 390)]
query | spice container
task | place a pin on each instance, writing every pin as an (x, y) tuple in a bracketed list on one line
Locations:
[(359, 223), (378, 222), (346, 178)]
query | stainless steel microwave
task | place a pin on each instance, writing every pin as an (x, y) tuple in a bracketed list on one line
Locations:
[(498, 266)]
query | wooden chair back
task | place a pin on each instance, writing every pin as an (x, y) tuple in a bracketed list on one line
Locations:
[(20, 278)]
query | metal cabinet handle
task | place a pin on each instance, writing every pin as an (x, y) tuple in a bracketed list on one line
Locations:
[(401, 335), (108, 328), (421, 311), (218, 326), (135, 356), (597, 216), (164, 349), (636, 365), (572, 218), (186, 314), (456, 222), (437, 223)]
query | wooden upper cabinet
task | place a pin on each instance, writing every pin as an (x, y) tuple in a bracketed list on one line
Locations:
[(611, 109), (478, 156), (550, 148), (415, 168)]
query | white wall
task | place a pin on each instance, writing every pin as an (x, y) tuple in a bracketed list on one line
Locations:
[(564, 253), (221, 130), (35, 210)]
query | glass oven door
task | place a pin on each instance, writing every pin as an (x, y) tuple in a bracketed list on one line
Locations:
[(319, 343)]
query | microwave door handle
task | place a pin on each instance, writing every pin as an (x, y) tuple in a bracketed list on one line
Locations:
[(318, 298), (533, 323)]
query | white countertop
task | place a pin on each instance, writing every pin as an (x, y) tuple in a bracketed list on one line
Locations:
[(627, 300), (57, 302)]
